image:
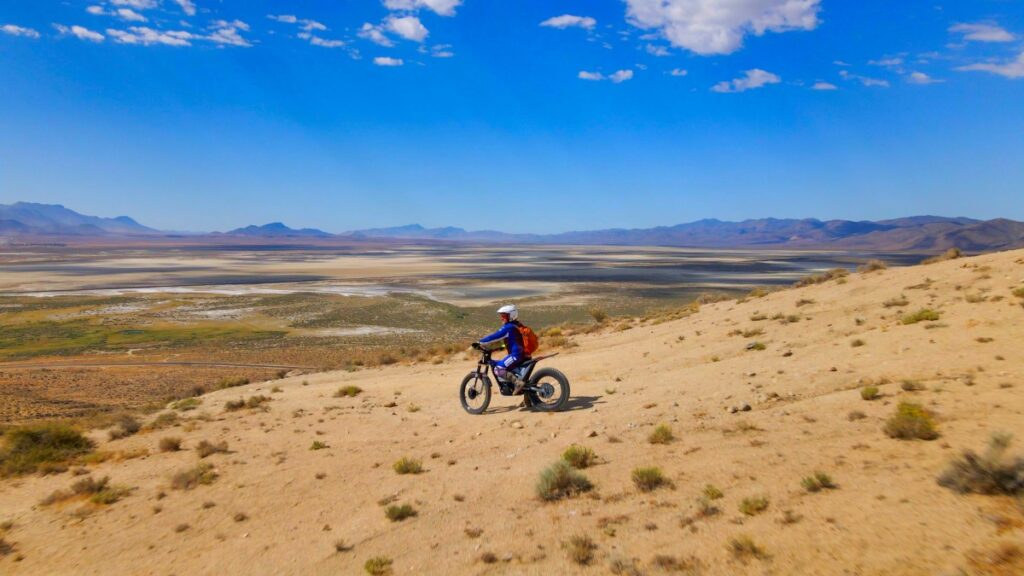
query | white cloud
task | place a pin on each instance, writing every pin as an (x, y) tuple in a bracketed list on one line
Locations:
[(442, 7), (322, 42), (824, 86), (846, 75), (388, 61), (130, 15), (137, 4), (187, 6), (889, 62), (654, 50), (921, 78), (617, 77), (678, 72), (569, 21), (442, 51), (79, 32), (752, 79), (95, 10), (1012, 69), (13, 30), (374, 34), (717, 26), (408, 27), (227, 33), (284, 18), (621, 76), (145, 36), (982, 32), (311, 25)]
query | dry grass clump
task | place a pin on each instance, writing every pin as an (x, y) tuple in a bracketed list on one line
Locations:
[(752, 332), (408, 466), (667, 563), (230, 383), (870, 393), (857, 343), (832, 274), (560, 480), (754, 505), (922, 315), (599, 315), (662, 434), (164, 420), (743, 548), (898, 302), (711, 492), (200, 474), (399, 513), (951, 254), (911, 386), (378, 566), (579, 457), (186, 404), (99, 492), (1019, 292), (871, 266), (170, 444), (252, 403), (648, 478), (28, 448), (758, 346), (348, 392), (910, 422), (1002, 559), (126, 426), (817, 482), (581, 549), (206, 448), (990, 473), (318, 445)]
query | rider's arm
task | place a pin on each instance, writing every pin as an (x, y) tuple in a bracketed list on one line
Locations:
[(501, 334)]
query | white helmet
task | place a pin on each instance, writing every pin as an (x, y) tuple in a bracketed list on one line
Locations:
[(511, 310)]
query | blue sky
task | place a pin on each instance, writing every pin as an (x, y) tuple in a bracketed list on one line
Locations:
[(518, 115)]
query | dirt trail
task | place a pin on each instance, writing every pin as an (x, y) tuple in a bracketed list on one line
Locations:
[(58, 365), (280, 507)]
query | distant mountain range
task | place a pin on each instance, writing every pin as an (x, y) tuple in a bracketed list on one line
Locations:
[(917, 233)]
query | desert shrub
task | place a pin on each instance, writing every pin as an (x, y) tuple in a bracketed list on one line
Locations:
[(97, 491), (744, 548), (712, 297), (198, 475), (348, 392), (753, 332), (922, 315), (896, 302), (817, 482), (581, 549), (399, 513), (378, 566), (230, 383), (163, 420), (856, 415), (170, 444), (951, 254), (599, 315), (832, 274), (386, 359), (754, 505), (206, 448), (711, 492), (871, 266), (560, 480), (1019, 292), (124, 427), (318, 445), (408, 466), (232, 405), (911, 421), (662, 434), (857, 343), (758, 346), (911, 386), (648, 478), (186, 404), (256, 401), (869, 393), (413, 408), (624, 567), (579, 457), (28, 447), (757, 293), (990, 473)]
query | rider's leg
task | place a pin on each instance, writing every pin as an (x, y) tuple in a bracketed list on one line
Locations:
[(505, 365)]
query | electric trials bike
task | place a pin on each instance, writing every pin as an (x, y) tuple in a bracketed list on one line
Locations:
[(546, 389)]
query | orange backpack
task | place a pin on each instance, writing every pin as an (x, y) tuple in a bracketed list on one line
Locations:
[(530, 341)]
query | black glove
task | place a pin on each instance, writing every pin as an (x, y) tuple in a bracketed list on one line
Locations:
[(476, 345)]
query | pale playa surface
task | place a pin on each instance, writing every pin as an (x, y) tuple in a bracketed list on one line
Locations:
[(888, 515)]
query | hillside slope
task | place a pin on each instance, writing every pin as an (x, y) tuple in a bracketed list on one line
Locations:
[(886, 516)]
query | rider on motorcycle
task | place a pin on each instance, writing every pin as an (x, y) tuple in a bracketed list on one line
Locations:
[(509, 332)]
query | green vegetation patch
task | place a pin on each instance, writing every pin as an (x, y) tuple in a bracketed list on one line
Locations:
[(29, 447)]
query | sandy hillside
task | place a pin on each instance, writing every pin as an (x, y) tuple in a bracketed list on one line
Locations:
[(887, 514)]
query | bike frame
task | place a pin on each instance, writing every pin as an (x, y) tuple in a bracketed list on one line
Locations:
[(484, 365)]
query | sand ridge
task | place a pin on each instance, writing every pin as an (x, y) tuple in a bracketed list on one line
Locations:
[(887, 515)]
